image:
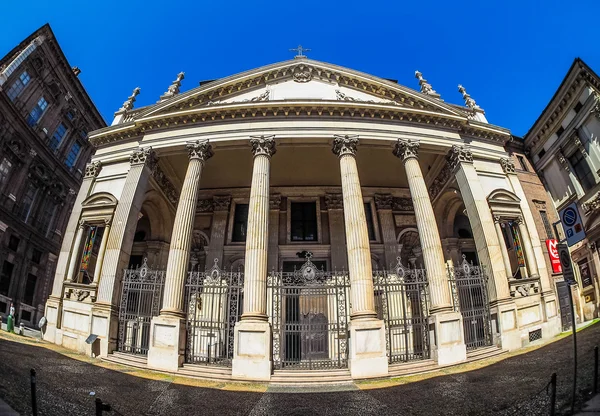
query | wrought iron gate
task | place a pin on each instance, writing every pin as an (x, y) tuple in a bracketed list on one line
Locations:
[(469, 293), (309, 311), (214, 301), (401, 300), (141, 299)]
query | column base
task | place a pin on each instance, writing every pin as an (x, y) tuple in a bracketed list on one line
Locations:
[(367, 349), (167, 343), (448, 340), (105, 324), (252, 351)]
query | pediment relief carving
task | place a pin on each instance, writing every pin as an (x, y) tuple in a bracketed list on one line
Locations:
[(100, 199)]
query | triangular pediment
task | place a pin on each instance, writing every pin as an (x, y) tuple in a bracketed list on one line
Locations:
[(301, 80)]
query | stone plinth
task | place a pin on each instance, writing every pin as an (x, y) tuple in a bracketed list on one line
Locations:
[(447, 339), (509, 337), (167, 343), (252, 351), (367, 349)]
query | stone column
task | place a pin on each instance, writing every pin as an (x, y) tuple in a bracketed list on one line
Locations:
[(505, 258), (274, 211), (252, 347), (449, 346), (118, 246), (367, 333), (384, 204), (217, 230), (502, 306), (54, 303), (429, 236), (337, 233), (101, 251), (532, 267), (75, 257)]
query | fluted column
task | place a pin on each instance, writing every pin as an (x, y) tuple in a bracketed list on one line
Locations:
[(503, 248), (357, 234), (532, 267), (257, 240), (181, 239), (101, 251), (431, 244), (76, 254)]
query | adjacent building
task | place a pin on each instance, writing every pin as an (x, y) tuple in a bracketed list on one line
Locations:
[(564, 146), (45, 117), (302, 216)]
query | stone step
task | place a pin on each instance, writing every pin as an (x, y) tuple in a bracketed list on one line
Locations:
[(408, 369), (131, 357), (307, 377), (125, 361), (484, 353), (205, 372)]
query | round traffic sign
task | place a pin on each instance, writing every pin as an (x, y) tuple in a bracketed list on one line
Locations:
[(565, 261), (569, 217)]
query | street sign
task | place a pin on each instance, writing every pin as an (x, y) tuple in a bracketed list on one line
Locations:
[(565, 262), (572, 224), (552, 246)]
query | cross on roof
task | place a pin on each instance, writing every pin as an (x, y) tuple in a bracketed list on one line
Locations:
[(300, 49)]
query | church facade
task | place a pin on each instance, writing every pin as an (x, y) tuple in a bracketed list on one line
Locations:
[(300, 216)]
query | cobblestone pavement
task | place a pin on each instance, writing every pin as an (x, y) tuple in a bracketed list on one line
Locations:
[(512, 386)]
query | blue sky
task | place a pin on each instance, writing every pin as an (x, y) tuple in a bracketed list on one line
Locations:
[(510, 55)]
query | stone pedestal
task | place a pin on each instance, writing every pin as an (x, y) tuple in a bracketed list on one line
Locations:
[(252, 351), (167, 343), (509, 337), (447, 340), (53, 312), (105, 324), (367, 353)]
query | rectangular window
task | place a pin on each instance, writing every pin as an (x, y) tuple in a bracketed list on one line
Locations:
[(240, 223), (5, 168), (47, 217), (30, 289), (5, 277), (18, 86), (13, 243), (303, 221), (577, 107), (58, 135), (582, 170), (523, 163), (370, 223), (36, 256), (547, 225), (70, 115), (560, 131), (37, 112), (27, 202), (72, 156), (541, 153)]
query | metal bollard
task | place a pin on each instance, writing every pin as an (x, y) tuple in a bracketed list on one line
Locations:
[(33, 392), (595, 370), (553, 394)]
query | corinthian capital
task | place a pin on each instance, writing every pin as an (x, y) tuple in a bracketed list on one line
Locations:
[(344, 145), (508, 165), (384, 201), (263, 145), (93, 169), (144, 156), (458, 155), (199, 149), (406, 148)]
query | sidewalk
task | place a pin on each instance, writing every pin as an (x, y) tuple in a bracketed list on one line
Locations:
[(5, 410), (592, 407), (28, 332)]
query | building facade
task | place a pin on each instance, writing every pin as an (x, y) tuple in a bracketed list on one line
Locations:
[(45, 115), (563, 145), (300, 216)]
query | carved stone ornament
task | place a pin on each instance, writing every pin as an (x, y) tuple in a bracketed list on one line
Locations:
[(275, 202), (563, 160), (497, 219), (440, 181), (263, 145), (205, 205), (426, 87), (221, 203), (302, 74), (508, 166), (199, 149), (334, 201), (144, 156), (345, 145), (592, 205), (384, 201), (458, 155), (518, 220), (577, 141), (406, 148), (166, 185), (93, 169), (596, 107), (403, 204), (128, 104)]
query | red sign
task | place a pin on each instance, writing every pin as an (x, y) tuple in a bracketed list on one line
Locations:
[(552, 246)]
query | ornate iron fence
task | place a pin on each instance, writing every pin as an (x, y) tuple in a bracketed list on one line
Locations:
[(141, 299), (309, 312), (468, 284), (402, 301), (214, 301)]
